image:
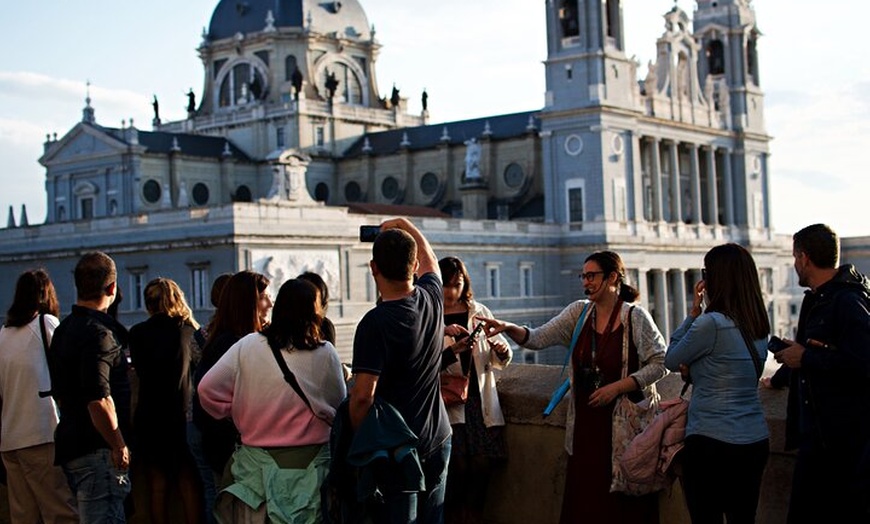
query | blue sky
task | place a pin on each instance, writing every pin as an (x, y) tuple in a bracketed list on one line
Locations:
[(474, 58)]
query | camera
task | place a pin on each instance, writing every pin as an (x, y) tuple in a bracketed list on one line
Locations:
[(369, 233), (589, 379), (776, 344)]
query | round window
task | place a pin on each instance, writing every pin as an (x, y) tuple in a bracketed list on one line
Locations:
[(321, 192), (352, 192), (514, 176), (151, 191), (243, 194), (390, 188), (200, 194), (429, 184)]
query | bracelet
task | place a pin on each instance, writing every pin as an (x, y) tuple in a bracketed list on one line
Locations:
[(525, 338)]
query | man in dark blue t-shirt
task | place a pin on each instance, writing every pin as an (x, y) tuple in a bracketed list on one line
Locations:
[(396, 357)]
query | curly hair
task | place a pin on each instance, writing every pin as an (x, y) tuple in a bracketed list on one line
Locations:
[(162, 295)]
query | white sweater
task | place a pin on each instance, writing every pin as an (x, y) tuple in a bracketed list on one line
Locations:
[(27, 420)]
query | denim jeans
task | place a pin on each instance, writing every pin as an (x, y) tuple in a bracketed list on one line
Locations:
[(209, 485), (99, 488), (426, 507)]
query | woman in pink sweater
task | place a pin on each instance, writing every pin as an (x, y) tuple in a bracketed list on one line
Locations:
[(284, 428)]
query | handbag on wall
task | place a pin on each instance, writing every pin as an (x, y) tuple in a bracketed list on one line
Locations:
[(629, 421)]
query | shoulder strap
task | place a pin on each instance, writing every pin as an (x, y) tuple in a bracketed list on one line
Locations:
[(44, 336), (290, 378), (562, 389), (576, 336), (626, 342), (44, 394), (756, 360)]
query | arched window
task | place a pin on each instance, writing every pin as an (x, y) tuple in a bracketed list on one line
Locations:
[(614, 21), (289, 67), (349, 90), (352, 192), (752, 58), (716, 57), (569, 19), (243, 84), (243, 194), (321, 192)]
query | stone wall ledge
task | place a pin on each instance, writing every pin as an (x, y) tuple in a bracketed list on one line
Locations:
[(529, 487)]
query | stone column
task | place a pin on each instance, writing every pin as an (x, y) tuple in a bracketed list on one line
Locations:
[(678, 278), (728, 183), (227, 172), (656, 177), (696, 184), (676, 192), (712, 190), (661, 298), (172, 192), (636, 177), (642, 286)]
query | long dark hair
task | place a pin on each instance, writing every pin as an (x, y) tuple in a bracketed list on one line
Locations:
[(610, 262), (237, 310), (295, 319), (34, 295), (317, 280), (731, 282), (450, 268)]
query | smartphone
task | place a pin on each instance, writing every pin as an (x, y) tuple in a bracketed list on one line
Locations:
[(776, 344), (369, 233), (477, 330)]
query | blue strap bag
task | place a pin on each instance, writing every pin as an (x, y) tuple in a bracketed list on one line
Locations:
[(563, 388)]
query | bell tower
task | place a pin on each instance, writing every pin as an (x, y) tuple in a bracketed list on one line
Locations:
[(728, 35), (591, 89), (586, 63)]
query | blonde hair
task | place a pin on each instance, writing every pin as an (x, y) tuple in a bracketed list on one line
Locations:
[(162, 295)]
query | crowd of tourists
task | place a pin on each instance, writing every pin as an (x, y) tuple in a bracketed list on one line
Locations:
[(251, 417)]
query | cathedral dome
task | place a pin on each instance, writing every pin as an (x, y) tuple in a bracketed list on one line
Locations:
[(344, 18)]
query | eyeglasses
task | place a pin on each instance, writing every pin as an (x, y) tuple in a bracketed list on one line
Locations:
[(590, 275), (704, 274)]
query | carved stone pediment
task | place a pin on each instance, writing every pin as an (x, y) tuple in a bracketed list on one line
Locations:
[(82, 142)]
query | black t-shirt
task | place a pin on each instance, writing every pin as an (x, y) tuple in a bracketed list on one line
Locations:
[(400, 342), (87, 363)]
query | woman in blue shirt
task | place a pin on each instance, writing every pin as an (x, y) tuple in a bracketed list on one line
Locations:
[(726, 443)]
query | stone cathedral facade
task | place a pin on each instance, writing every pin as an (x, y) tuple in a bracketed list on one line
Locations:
[(289, 147)]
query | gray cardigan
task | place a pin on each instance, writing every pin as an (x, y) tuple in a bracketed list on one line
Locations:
[(647, 338)]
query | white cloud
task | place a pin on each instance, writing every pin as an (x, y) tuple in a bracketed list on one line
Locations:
[(21, 133), (821, 133), (797, 205), (48, 101)]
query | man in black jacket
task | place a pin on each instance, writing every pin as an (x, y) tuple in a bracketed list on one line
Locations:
[(829, 395)]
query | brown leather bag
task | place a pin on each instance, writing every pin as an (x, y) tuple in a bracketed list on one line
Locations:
[(454, 389)]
